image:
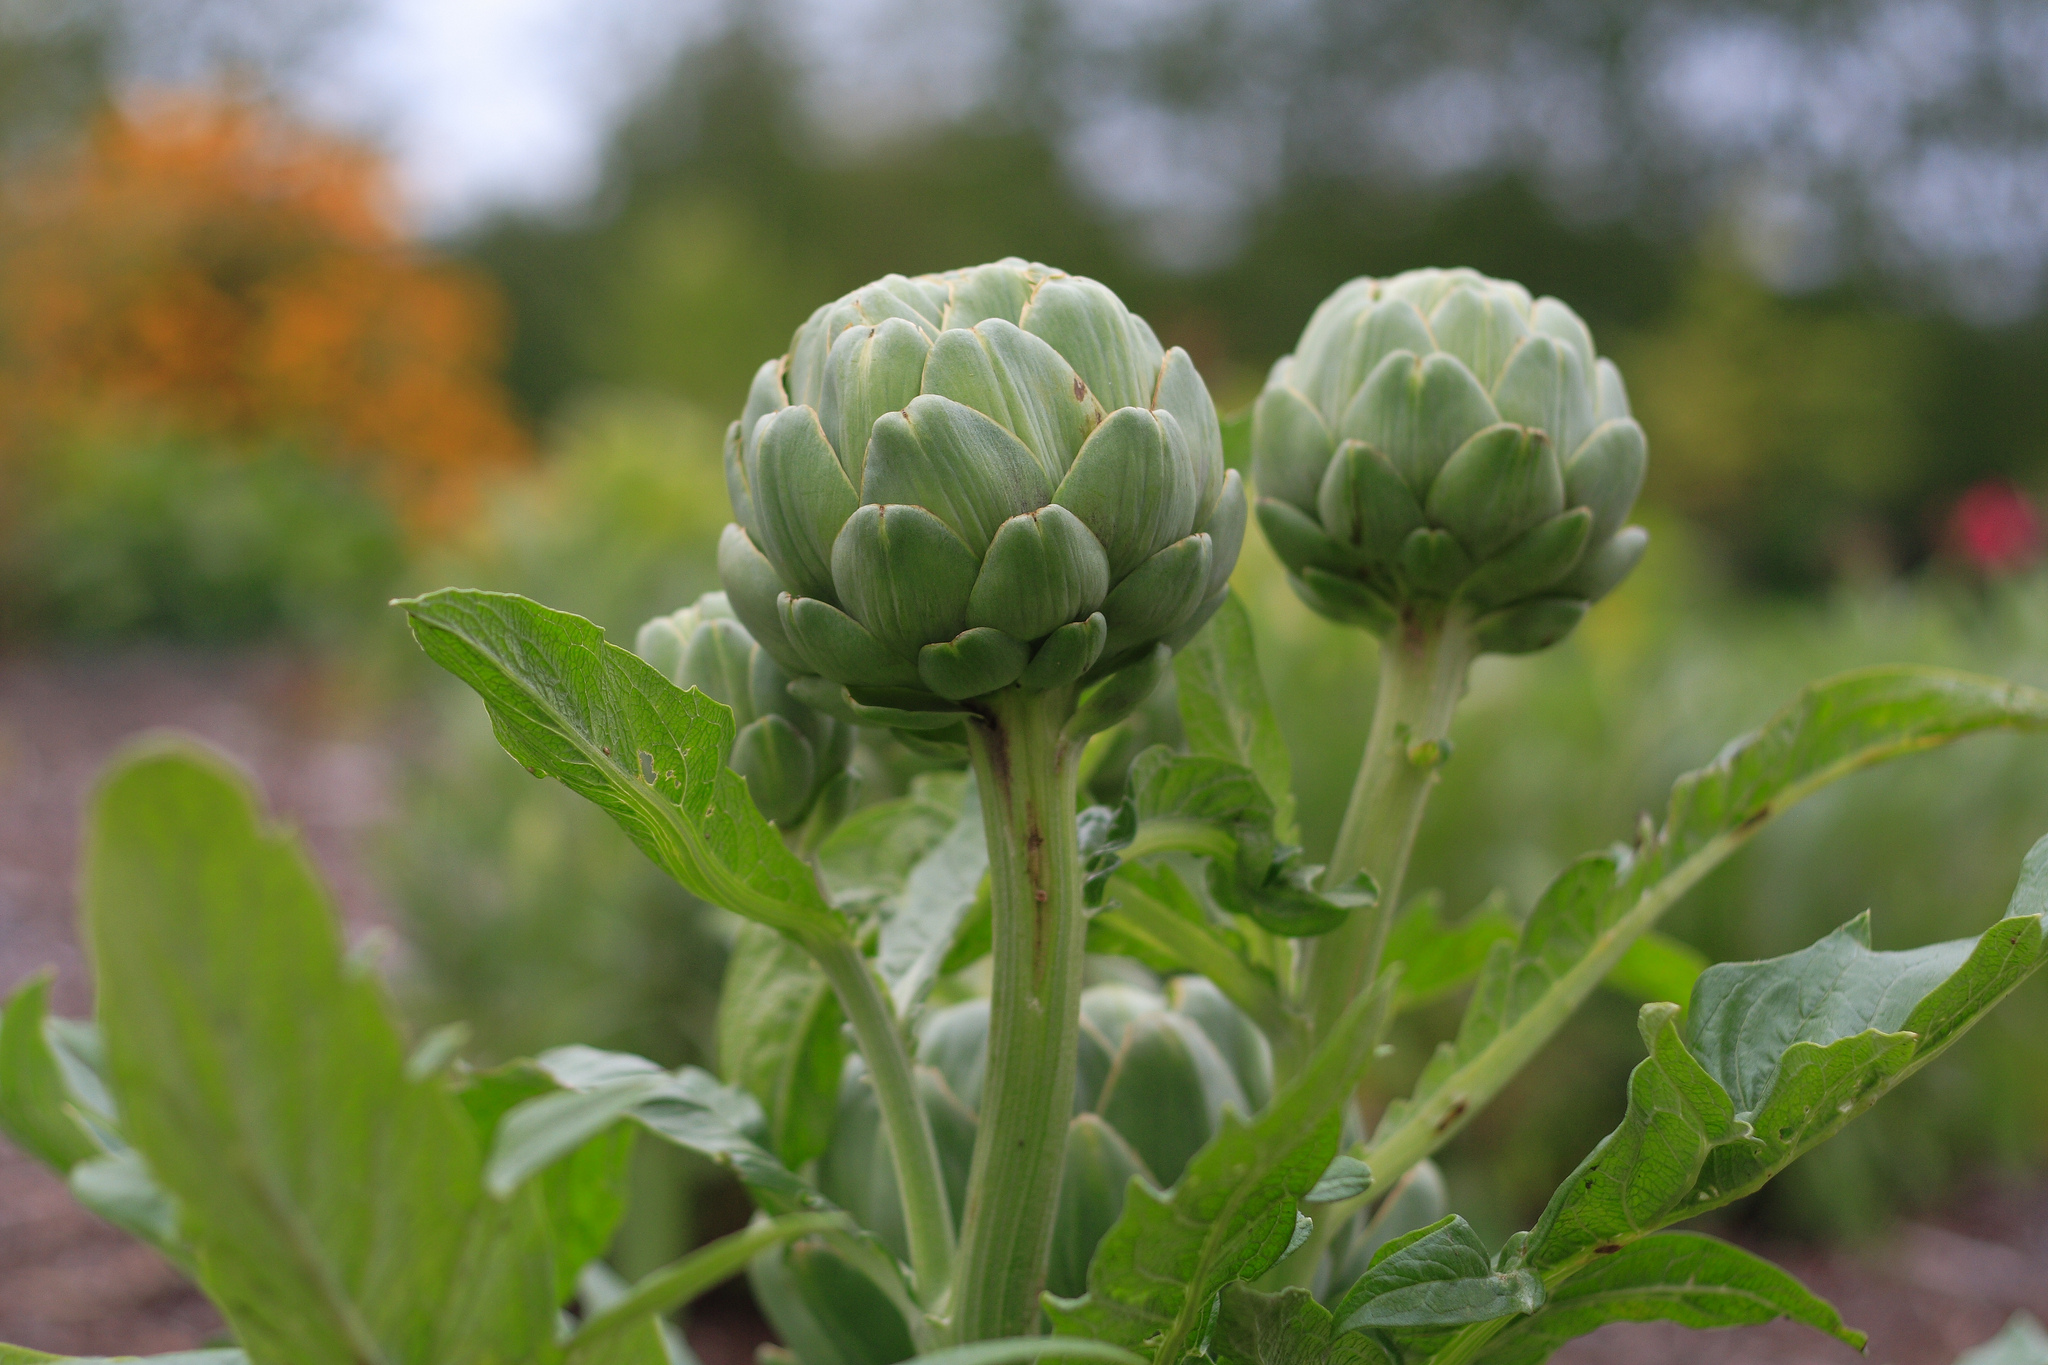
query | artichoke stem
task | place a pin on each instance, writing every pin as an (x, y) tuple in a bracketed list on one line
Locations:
[(927, 1218), (1423, 664), (1028, 776)]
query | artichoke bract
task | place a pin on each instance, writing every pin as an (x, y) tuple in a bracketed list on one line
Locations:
[(958, 483), (793, 757), (1441, 436)]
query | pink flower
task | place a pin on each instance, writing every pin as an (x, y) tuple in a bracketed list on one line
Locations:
[(1995, 527)]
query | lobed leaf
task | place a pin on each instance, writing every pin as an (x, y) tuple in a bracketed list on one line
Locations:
[(1683, 1277), (567, 704), (1774, 1058), (38, 1110), (335, 1207), (1601, 904)]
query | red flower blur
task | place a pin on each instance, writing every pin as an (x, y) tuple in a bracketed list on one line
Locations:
[(1995, 527)]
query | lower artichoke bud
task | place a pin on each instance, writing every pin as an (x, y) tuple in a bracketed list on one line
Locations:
[(1441, 437), (1154, 1074), (793, 757)]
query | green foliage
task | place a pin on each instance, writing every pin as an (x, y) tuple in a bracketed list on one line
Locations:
[(168, 539), (568, 705)]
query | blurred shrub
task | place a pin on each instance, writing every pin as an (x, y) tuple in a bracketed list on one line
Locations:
[(176, 538), (1559, 753), (209, 264)]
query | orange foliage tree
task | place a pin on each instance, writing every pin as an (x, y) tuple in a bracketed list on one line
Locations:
[(210, 264)]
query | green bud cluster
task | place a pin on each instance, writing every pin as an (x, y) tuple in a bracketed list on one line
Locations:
[(957, 483), (1440, 436), (1156, 1070), (793, 757)]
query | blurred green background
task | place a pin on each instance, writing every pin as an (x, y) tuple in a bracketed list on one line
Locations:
[(247, 394)]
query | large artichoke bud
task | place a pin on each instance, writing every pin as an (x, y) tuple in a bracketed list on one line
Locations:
[(1156, 1070), (793, 757), (1441, 436), (956, 483)]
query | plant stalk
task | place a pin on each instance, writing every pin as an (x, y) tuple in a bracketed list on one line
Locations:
[(927, 1217), (1422, 675), (1027, 776)]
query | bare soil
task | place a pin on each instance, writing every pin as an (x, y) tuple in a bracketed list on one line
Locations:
[(69, 1283)]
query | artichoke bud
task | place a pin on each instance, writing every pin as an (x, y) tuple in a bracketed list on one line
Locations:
[(789, 753), (960, 483), (1155, 1070), (1442, 438)]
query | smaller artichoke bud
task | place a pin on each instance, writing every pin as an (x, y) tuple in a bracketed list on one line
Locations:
[(792, 757), (1441, 437)]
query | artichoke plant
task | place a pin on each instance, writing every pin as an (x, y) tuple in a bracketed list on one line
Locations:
[(957, 483), (794, 758), (959, 501), (1440, 436)]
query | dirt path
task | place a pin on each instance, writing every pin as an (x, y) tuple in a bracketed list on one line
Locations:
[(69, 1283)]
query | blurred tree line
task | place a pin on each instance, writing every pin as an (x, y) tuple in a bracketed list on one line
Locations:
[(1813, 434)]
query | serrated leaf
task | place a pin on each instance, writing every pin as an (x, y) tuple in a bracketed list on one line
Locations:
[(1681, 1277), (1287, 1328), (1776, 1057), (1436, 1276), (1156, 1274), (335, 1207), (567, 704), (1224, 711), (780, 1038), (1602, 903), (921, 925)]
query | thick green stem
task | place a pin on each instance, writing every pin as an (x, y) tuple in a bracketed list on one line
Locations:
[(1422, 675), (926, 1216), (1027, 777)]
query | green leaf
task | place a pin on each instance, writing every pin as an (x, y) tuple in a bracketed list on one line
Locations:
[(119, 1188), (1436, 1276), (1776, 1057), (662, 1291), (1232, 1214), (1437, 958), (335, 1207), (1225, 713), (585, 1194), (37, 1110), (1657, 967), (1219, 809), (568, 705), (2021, 1343), (868, 858), (1287, 1328), (1680, 1277), (780, 1039), (690, 1108), (1601, 904), (656, 1341), (1153, 916), (921, 926)]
